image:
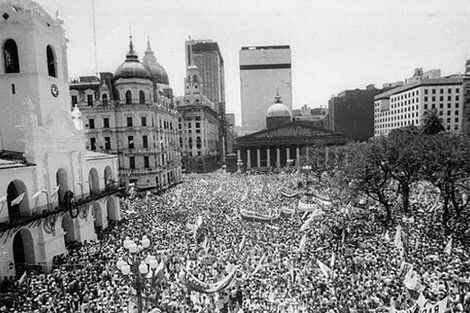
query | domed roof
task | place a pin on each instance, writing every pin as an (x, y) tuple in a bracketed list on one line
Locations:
[(157, 72), (131, 68), (278, 109)]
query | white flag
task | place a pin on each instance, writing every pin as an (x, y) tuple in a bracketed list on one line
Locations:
[(448, 248), (411, 279), (325, 269), (23, 278), (36, 194), (303, 243), (18, 199), (242, 244), (54, 192), (3, 199), (398, 242), (332, 260)]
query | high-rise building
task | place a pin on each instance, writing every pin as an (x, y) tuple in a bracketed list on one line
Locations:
[(408, 104), (199, 125), (352, 113), (130, 113), (205, 55), (52, 190), (264, 72)]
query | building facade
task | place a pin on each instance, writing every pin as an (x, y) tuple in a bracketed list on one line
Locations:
[(52, 190), (352, 113), (205, 54), (131, 114), (408, 104), (199, 124), (263, 71), (317, 116)]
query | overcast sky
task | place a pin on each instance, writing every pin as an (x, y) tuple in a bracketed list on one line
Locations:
[(336, 44)]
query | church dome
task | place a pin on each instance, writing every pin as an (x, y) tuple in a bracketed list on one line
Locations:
[(278, 109), (157, 71), (131, 68)]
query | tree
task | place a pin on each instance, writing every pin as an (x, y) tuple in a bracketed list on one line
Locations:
[(404, 158), (432, 123), (446, 167), (370, 173)]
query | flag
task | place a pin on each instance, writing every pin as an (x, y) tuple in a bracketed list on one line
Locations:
[(3, 199), (303, 242), (18, 199), (398, 242), (35, 195), (386, 236), (260, 265), (23, 278), (54, 192), (448, 248), (204, 243), (325, 269), (242, 244), (306, 224), (332, 260), (411, 279)]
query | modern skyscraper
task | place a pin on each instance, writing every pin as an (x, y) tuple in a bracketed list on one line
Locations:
[(264, 71), (205, 55)]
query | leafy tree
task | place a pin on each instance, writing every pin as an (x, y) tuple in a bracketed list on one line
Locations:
[(432, 123), (446, 167), (405, 161), (370, 173)]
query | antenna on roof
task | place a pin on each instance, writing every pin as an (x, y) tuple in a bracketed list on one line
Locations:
[(94, 35)]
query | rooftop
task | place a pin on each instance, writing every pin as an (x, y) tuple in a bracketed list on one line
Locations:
[(452, 80)]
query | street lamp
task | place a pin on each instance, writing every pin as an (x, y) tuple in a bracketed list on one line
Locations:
[(306, 168), (134, 263)]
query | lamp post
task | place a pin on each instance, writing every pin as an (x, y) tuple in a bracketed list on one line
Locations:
[(137, 267), (306, 168)]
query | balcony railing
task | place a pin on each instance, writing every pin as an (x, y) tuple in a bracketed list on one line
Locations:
[(43, 211)]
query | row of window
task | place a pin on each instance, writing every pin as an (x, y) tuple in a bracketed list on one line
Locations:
[(90, 99), (412, 122), (130, 123), (146, 160), (11, 61)]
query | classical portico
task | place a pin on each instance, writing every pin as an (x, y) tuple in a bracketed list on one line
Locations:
[(274, 147)]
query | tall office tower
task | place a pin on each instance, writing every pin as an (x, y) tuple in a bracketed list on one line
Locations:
[(205, 54), (264, 71)]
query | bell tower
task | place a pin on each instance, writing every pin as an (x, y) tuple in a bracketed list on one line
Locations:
[(34, 91)]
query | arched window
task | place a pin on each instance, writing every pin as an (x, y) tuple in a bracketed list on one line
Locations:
[(104, 99), (51, 62), (10, 57), (128, 97), (141, 97)]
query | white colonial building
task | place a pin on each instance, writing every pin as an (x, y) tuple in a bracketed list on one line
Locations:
[(52, 190)]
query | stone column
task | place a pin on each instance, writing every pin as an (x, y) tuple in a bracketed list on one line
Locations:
[(278, 158), (297, 156), (248, 158), (258, 157), (287, 155), (268, 157), (239, 155)]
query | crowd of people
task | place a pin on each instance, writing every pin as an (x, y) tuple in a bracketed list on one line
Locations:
[(346, 260)]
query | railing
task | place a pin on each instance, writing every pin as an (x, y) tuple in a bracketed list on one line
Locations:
[(43, 211)]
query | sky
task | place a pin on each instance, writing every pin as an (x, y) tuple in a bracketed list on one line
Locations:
[(336, 44)]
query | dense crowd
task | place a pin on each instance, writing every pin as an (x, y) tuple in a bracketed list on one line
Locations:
[(365, 271)]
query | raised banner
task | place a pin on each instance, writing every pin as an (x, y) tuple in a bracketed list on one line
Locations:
[(304, 207), (258, 217), (195, 284)]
